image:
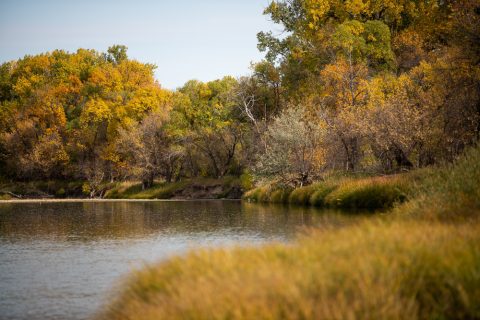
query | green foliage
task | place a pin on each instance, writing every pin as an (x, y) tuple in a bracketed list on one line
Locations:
[(364, 41), (246, 181), (117, 53)]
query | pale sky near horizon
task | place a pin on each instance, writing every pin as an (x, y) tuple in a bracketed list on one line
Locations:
[(186, 39)]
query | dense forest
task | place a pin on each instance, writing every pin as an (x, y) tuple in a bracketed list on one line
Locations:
[(376, 86)]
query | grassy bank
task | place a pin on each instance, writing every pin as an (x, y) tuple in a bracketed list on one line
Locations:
[(40, 189), (420, 261), (379, 192)]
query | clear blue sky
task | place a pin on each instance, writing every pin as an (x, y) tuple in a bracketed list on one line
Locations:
[(186, 39)]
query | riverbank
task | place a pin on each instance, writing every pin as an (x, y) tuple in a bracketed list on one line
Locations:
[(81, 200), (419, 260), (346, 192), (338, 191), (198, 188)]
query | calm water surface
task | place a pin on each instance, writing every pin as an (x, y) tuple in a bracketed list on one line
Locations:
[(64, 260)]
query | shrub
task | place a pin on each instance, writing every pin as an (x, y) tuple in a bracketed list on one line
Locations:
[(246, 181), (60, 192)]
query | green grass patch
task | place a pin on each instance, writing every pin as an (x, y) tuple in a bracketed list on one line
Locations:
[(41, 189)]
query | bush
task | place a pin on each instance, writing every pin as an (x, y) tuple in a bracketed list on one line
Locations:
[(246, 181), (60, 192)]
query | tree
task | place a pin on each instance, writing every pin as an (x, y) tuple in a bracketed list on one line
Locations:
[(294, 154), (343, 96), (207, 116), (117, 54), (148, 151)]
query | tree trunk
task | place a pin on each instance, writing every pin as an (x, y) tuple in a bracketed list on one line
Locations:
[(147, 182), (401, 158)]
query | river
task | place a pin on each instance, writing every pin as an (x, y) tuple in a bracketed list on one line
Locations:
[(64, 260)]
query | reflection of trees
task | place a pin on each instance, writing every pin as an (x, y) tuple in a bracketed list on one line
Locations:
[(87, 221)]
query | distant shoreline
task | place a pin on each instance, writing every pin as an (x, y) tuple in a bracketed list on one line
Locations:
[(107, 200)]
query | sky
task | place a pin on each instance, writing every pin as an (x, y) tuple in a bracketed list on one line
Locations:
[(186, 39)]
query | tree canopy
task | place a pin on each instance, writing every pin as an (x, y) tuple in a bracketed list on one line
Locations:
[(348, 85)]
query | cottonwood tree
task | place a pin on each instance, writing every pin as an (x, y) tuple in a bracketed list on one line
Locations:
[(205, 115), (148, 151)]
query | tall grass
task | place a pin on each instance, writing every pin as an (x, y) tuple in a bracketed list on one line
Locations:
[(318, 196), (420, 262), (345, 193), (373, 271), (301, 196), (451, 194), (369, 193)]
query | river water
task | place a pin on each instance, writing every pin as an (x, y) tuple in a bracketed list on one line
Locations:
[(64, 260)]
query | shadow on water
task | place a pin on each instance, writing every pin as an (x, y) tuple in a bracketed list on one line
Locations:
[(59, 260)]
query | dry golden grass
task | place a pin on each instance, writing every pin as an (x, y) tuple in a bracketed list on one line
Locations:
[(377, 270)]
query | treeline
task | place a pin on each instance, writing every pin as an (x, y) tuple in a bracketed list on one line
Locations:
[(349, 85)]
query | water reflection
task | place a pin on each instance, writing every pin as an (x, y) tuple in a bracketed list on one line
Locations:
[(59, 260)]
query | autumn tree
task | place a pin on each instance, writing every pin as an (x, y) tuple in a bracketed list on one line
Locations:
[(148, 151), (206, 115)]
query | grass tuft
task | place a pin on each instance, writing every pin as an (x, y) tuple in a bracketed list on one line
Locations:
[(369, 193)]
